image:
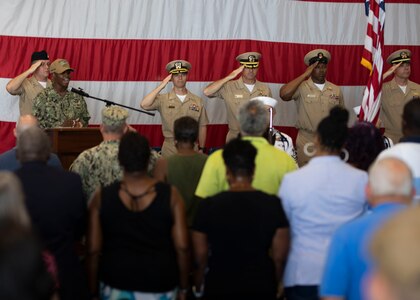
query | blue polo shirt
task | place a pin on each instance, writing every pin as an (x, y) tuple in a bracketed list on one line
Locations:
[(348, 259)]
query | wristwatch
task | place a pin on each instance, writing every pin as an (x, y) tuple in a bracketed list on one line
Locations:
[(204, 149)]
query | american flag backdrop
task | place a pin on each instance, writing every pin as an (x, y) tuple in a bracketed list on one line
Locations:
[(119, 49), (373, 60)]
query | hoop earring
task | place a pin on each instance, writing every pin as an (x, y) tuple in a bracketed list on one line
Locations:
[(306, 151), (346, 154)]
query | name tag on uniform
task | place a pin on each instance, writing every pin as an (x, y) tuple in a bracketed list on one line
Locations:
[(239, 96), (311, 96), (171, 106)]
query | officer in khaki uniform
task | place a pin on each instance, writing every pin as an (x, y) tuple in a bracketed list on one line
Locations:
[(396, 93), (314, 97), (29, 88), (179, 102), (237, 92)]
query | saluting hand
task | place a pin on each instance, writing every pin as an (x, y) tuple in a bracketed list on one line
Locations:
[(309, 70), (165, 81), (35, 66), (236, 72), (390, 70)]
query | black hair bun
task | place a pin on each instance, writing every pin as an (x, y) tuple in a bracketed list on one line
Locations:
[(339, 114)]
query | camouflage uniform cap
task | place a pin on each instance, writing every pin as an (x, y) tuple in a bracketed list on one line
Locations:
[(114, 116)]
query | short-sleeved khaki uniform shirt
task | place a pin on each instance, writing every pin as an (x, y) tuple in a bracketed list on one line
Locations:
[(172, 108), (235, 94), (312, 106), (27, 92), (392, 105)]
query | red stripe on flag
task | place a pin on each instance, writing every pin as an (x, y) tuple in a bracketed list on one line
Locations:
[(374, 61), (145, 60)]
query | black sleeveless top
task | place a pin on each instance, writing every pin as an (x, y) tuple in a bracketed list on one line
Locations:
[(138, 253)]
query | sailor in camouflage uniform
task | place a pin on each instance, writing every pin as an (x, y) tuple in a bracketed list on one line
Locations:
[(99, 166), (56, 106)]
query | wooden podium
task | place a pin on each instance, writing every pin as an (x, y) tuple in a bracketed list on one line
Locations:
[(68, 143)]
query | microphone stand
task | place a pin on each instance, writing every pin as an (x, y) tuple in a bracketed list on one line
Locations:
[(82, 93), (271, 137)]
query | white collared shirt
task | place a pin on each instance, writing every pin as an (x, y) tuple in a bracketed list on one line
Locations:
[(317, 199)]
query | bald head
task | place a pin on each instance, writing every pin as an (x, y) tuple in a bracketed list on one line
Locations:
[(390, 178), (33, 145), (25, 122)]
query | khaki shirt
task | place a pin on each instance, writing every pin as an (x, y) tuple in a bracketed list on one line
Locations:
[(235, 94), (27, 92), (392, 105), (171, 109), (313, 104)]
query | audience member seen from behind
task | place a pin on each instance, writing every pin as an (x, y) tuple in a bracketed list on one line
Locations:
[(22, 269), (348, 261), (318, 198), (409, 147), (8, 159), (12, 207), (12, 201), (363, 145), (234, 231), (183, 170), (270, 164), (54, 200), (395, 248), (137, 238), (99, 166)]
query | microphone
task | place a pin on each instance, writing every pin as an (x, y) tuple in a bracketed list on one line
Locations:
[(80, 92)]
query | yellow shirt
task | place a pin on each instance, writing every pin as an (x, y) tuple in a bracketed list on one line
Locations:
[(271, 164)]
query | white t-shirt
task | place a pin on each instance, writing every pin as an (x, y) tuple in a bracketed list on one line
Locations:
[(403, 88), (181, 97), (320, 86), (250, 87)]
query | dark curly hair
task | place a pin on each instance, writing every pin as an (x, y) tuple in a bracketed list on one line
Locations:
[(239, 157), (186, 130), (363, 144), (134, 152), (332, 130), (411, 115)]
